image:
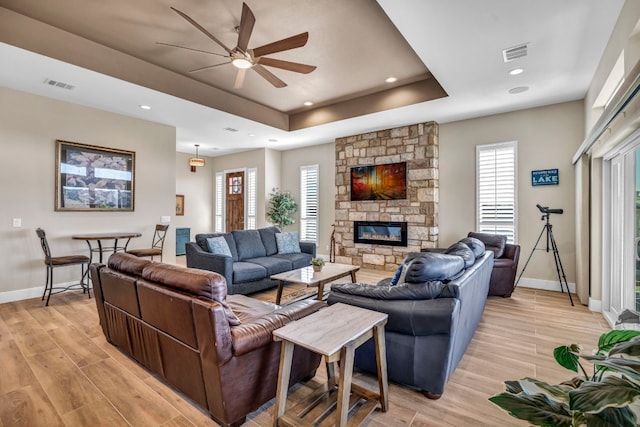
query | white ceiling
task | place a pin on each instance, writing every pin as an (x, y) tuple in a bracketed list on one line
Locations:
[(460, 42)]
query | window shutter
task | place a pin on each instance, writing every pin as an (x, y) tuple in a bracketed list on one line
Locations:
[(309, 181), (219, 218), (252, 176), (496, 189)]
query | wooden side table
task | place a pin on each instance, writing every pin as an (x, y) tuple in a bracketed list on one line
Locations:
[(334, 332)]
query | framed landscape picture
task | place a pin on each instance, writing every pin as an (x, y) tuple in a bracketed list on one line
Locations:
[(91, 178)]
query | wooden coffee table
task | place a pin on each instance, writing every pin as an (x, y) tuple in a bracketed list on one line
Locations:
[(306, 276), (335, 333)]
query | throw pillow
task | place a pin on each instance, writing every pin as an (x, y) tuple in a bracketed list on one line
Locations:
[(288, 243), (218, 245)]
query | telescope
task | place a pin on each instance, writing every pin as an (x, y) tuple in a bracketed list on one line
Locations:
[(546, 210)]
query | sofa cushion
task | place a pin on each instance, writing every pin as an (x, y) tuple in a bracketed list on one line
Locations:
[(218, 245), (433, 266), (297, 260), (268, 236), (247, 272), (288, 243), (249, 244), (274, 265), (492, 242), (463, 251), (476, 245), (201, 240), (191, 281), (126, 263)]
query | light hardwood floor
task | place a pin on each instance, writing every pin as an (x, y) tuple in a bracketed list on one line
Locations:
[(57, 368)]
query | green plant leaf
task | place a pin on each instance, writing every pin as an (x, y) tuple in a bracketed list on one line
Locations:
[(513, 387), (628, 367), (557, 393), (609, 339), (593, 397), (618, 417), (631, 347), (537, 409), (566, 357)]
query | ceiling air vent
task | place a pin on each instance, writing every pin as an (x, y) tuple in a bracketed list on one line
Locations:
[(231, 130), (515, 52), (58, 84)]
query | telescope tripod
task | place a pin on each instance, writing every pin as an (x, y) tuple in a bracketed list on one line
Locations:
[(556, 256)]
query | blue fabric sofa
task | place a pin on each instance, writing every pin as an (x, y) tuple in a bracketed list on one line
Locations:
[(433, 314), (254, 258)]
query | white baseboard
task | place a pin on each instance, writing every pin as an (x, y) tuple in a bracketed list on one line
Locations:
[(20, 294), (595, 305), (547, 285)]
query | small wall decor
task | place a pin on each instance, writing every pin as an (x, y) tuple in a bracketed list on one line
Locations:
[(545, 177), (179, 205), (91, 178)]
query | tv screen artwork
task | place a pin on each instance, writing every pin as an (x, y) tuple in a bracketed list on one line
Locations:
[(379, 182)]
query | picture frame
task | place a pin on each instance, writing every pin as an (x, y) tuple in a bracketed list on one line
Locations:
[(92, 178), (179, 205)]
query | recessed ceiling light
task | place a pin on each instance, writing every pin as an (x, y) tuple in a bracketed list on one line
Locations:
[(391, 79), (145, 107), (252, 134), (518, 89), (516, 71), (272, 140), (308, 103)]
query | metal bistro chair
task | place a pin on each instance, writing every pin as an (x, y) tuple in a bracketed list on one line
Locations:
[(157, 244), (62, 261)]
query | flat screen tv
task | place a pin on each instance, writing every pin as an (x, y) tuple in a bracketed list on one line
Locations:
[(379, 182)]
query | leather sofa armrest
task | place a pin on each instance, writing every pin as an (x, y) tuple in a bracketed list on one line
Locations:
[(213, 332), (308, 248), (221, 264), (409, 317), (511, 252)]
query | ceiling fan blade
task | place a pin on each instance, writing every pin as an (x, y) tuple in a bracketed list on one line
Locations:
[(247, 21), (195, 50), (208, 67), (239, 78), (199, 27), (281, 45), (296, 67), (269, 76)]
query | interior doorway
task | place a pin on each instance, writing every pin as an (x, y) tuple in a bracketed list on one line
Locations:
[(234, 201)]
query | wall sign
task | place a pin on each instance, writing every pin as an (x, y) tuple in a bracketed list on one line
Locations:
[(545, 177)]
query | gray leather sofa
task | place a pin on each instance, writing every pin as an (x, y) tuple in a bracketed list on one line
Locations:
[(433, 314), (254, 258)]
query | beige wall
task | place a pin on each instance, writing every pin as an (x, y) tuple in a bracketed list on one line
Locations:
[(547, 138), (197, 189), (29, 126)]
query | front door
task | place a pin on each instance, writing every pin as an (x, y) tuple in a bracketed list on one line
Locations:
[(235, 201)]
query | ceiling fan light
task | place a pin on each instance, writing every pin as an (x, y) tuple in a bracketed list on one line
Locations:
[(241, 63)]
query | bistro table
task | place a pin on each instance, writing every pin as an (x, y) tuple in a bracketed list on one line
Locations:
[(99, 237)]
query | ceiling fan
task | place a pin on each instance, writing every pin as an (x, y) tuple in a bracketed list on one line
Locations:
[(243, 58)]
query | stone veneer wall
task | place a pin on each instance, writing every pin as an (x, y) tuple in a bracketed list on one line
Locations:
[(418, 146)]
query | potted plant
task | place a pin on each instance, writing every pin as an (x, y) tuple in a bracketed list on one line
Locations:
[(281, 206), (317, 264), (607, 397)]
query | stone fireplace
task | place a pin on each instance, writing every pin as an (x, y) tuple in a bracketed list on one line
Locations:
[(417, 145)]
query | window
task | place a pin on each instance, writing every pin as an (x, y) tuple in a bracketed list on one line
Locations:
[(219, 217), (496, 189), (252, 202), (309, 203)]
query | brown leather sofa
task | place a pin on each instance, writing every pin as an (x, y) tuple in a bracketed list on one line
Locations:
[(505, 262), (180, 324)]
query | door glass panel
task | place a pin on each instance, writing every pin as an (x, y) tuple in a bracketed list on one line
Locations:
[(637, 233)]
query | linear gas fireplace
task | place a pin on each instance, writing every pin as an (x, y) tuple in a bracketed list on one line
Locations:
[(380, 233)]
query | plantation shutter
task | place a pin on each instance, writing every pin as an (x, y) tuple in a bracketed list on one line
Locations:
[(496, 189), (219, 218), (309, 181), (252, 186)]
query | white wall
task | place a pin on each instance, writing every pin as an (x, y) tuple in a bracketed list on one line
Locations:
[(29, 126), (547, 138), (197, 188)]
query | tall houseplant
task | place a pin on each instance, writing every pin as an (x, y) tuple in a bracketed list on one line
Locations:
[(608, 397), (281, 206)]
